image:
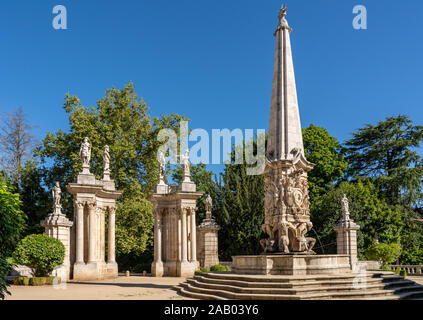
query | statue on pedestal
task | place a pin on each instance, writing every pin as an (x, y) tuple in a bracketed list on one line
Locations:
[(162, 167), (209, 205), (106, 163), (185, 166), (57, 195), (345, 208), (85, 154)]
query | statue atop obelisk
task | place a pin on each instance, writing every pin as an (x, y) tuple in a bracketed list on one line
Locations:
[(287, 213)]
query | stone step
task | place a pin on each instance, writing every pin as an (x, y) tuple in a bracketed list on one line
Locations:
[(284, 291), (293, 284), (196, 295), (284, 279)]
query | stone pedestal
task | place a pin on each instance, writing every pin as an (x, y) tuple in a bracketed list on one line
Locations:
[(94, 200), (346, 239), (175, 244), (207, 243), (57, 226), (296, 264)]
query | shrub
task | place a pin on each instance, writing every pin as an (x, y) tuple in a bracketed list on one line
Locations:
[(403, 273), (218, 267), (197, 272), (40, 253), (53, 280), (21, 281), (385, 253), (37, 281)]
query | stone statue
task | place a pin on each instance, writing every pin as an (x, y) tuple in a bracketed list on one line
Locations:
[(85, 154), (162, 167), (57, 195), (106, 159), (345, 208), (209, 205), (185, 166), (282, 12)]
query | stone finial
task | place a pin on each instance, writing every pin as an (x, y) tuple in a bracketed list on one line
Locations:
[(85, 154), (57, 195), (106, 163), (209, 205)]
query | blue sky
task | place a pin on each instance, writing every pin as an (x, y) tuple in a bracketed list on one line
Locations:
[(213, 60)]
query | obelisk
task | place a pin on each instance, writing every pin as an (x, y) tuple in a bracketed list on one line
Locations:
[(287, 213)]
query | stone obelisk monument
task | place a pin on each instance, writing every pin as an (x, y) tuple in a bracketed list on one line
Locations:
[(287, 250), (287, 214)]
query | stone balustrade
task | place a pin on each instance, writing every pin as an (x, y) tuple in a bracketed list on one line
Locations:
[(411, 270)]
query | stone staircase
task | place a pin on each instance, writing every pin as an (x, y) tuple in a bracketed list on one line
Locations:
[(369, 286)]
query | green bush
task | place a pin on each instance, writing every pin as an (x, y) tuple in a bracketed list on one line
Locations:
[(37, 281), (21, 281), (383, 252), (403, 273), (40, 253), (53, 280), (218, 267), (197, 272)]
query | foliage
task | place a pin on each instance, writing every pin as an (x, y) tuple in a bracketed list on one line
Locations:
[(324, 151), (4, 269), (383, 252), (40, 253), (36, 202), (376, 218), (241, 213), (197, 272), (217, 268), (11, 226), (21, 281), (386, 153)]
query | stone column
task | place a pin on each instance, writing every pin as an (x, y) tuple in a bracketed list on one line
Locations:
[(184, 235), (102, 235), (111, 258), (79, 206), (193, 236), (346, 239), (92, 231)]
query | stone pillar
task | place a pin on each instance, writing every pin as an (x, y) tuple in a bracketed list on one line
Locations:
[(184, 235), (102, 235), (79, 232), (58, 226), (346, 234), (111, 257), (193, 237), (207, 240), (92, 232), (157, 266)]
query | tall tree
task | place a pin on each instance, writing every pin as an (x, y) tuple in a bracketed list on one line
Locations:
[(16, 142), (325, 152), (11, 226), (386, 152)]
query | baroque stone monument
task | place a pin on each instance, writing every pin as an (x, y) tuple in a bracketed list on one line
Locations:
[(57, 226), (346, 233), (207, 238), (287, 250), (175, 243), (93, 201)]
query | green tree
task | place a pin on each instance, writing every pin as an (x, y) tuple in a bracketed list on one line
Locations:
[(325, 152), (376, 218), (383, 252), (120, 120), (386, 153), (11, 227)]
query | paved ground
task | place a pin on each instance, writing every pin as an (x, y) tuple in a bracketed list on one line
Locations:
[(122, 288), (418, 279)]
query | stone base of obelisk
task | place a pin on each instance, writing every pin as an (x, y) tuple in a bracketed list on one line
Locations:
[(293, 264)]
